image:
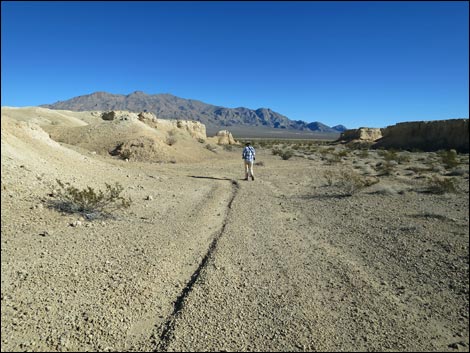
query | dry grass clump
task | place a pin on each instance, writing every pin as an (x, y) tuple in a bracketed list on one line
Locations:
[(211, 148), (449, 158), (88, 201), (348, 181), (171, 140), (286, 154), (437, 185)]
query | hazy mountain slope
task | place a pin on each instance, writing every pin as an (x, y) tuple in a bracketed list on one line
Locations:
[(167, 106)]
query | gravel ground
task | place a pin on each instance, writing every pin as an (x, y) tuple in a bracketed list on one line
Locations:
[(205, 261)]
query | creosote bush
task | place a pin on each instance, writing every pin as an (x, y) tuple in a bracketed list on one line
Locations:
[(449, 158), (286, 154), (437, 185), (348, 181), (89, 201)]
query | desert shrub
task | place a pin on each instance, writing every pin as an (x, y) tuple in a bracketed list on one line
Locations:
[(295, 146), (335, 158), (352, 182), (389, 155), (449, 158), (419, 170), (125, 153), (438, 185), (211, 148), (385, 168), (170, 140), (363, 154), (286, 154), (343, 153), (276, 151), (228, 147), (349, 181), (88, 201), (260, 163), (330, 177), (201, 140)]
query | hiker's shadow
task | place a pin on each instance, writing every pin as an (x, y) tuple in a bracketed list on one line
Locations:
[(208, 177)]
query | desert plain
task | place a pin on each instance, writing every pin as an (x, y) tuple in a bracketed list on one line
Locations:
[(332, 249)]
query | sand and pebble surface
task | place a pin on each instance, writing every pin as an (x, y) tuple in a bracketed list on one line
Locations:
[(203, 260)]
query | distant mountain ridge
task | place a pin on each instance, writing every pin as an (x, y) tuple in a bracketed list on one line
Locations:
[(167, 106)]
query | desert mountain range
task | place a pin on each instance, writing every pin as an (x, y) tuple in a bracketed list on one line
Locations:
[(167, 106)]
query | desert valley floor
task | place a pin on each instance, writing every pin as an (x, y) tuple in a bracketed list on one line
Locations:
[(203, 260)]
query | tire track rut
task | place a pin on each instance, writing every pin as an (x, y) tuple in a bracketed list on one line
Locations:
[(168, 326)]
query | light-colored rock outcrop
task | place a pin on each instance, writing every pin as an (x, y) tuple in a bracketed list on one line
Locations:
[(194, 128), (427, 135), (363, 134), (224, 137), (119, 115)]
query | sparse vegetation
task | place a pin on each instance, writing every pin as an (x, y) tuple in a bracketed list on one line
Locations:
[(90, 201), (437, 185), (276, 151), (386, 168), (171, 140), (201, 140), (211, 148), (449, 158), (286, 154), (125, 154), (348, 181)]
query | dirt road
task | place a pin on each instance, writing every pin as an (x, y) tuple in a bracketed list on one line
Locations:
[(210, 262)]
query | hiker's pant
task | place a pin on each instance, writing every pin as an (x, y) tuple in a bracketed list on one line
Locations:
[(248, 168)]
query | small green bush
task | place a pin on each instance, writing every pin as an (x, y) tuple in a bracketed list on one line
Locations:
[(286, 154), (74, 200)]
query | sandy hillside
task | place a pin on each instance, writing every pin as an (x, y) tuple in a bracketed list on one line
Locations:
[(330, 250)]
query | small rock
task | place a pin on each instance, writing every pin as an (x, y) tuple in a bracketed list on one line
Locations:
[(149, 197), (76, 224)]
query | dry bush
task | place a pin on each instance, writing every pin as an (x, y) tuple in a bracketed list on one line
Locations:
[(385, 168), (201, 140), (211, 148), (276, 151), (437, 185), (171, 140), (286, 154), (449, 158), (125, 153), (330, 177), (349, 181), (89, 201)]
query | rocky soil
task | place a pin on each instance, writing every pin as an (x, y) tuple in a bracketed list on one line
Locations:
[(297, 260)]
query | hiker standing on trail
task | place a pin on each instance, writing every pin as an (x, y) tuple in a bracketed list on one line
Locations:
[(248, 157)]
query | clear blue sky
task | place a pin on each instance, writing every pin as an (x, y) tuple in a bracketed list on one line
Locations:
[(353, 63)]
